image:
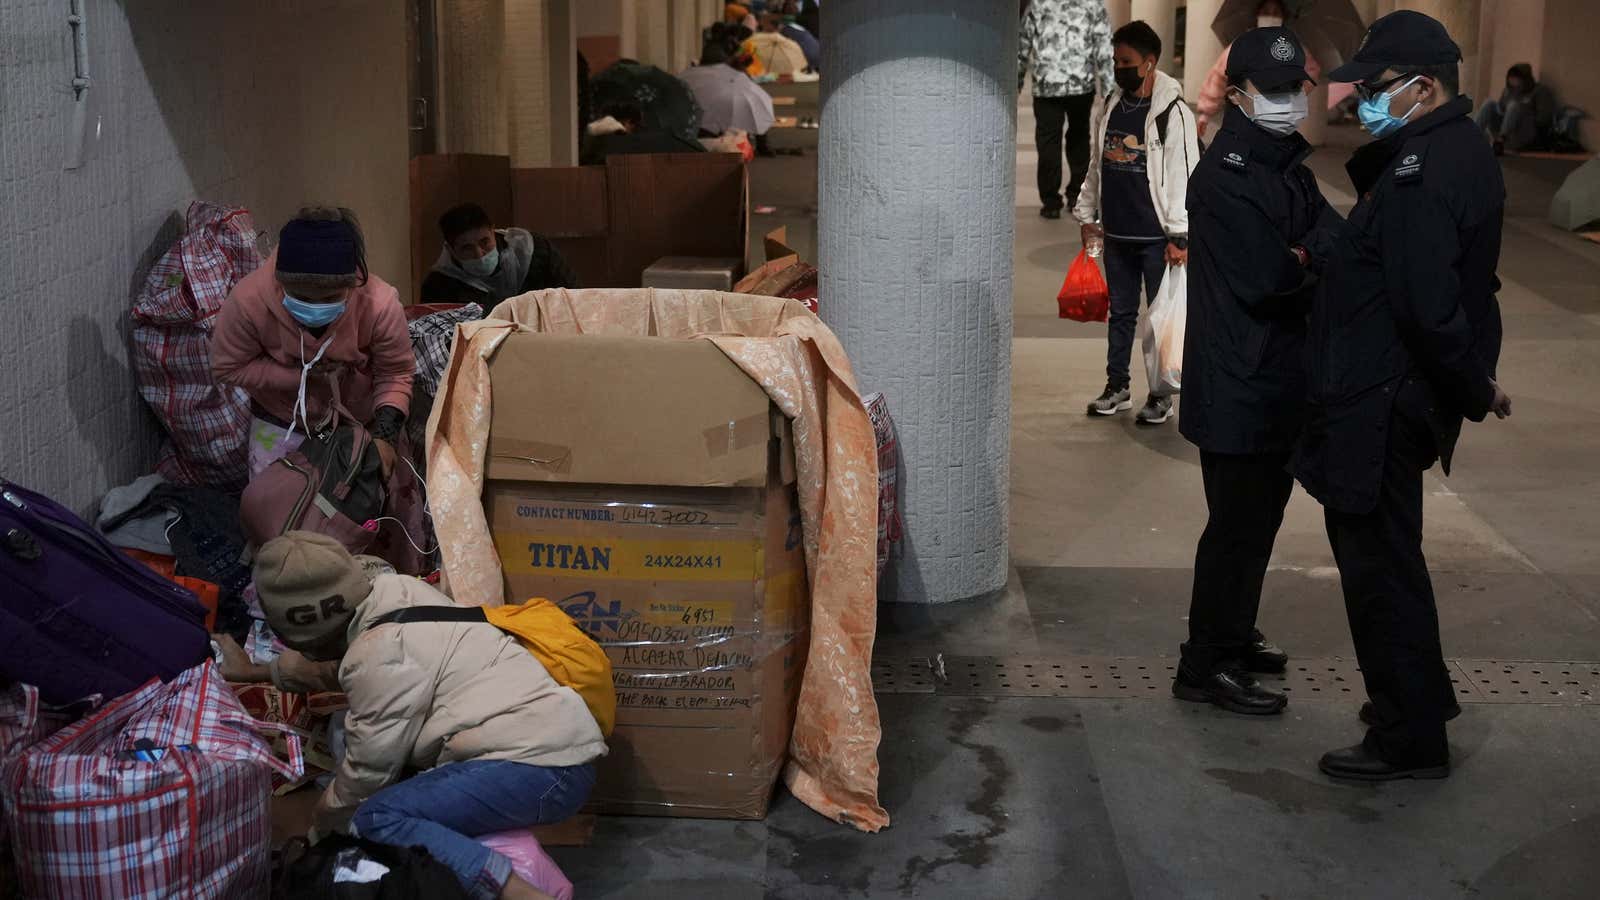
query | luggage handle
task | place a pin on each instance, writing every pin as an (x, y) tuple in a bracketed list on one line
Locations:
[(290, 768)]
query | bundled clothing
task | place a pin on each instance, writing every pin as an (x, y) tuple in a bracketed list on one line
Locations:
[(528, 262)]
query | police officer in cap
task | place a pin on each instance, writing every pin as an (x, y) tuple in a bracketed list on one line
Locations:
[(1259, 231), (1405, 336)]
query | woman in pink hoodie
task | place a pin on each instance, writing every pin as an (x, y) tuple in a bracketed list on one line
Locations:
[(310, 318)]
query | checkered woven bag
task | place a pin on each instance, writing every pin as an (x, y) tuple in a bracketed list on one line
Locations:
[(92, 816), (890, 528), (207, 423)]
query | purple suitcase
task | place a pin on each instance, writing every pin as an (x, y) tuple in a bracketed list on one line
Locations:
[(77, 616)]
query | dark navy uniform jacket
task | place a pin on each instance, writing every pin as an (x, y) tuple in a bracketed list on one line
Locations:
[(1405, 321), (1244, 370)]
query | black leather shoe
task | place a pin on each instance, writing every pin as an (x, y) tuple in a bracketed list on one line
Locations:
[(1358, 764), (1232, 689), (1263, 656), (1051, 212), (1369, 714)]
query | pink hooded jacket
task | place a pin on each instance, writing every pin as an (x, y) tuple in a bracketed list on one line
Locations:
[(258, 346)]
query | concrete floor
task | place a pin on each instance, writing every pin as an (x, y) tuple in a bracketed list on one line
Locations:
[(1054, 797)]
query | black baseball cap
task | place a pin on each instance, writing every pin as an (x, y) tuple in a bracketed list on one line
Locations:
[(1271, 58), (1397, 41)]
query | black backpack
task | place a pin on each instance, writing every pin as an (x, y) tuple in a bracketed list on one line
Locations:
[(303, 871)]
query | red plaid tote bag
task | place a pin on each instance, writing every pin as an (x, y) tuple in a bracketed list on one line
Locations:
[(164, 792), (207, 423)]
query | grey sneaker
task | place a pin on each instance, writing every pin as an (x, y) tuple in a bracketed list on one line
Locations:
[(1156, 410), (1111, 402)]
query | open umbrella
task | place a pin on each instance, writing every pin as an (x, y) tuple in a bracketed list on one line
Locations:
[(1576, 204), (1331, 30), (665, 102)]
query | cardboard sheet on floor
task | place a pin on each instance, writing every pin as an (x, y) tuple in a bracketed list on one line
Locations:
[(799, 366)]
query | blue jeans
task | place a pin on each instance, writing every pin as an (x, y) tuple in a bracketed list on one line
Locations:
[(1128, 263), (444, 808)]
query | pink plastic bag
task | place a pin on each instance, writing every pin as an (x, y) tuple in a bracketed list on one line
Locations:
[(529, 861)]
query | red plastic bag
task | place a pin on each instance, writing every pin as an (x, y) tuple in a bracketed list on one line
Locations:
[(1084, 296)]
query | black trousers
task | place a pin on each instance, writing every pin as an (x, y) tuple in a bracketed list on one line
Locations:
[(1388, 598), (1050, 114), (1245, 495)]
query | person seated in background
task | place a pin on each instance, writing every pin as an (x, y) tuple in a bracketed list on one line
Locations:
[(1522, 116), (485, 265), (499, 742), (782, 54), (311, 320), (620, 131), (794, 31), (727, 97)]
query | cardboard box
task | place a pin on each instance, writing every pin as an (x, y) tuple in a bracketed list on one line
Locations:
[(647, 486), (692, 273)]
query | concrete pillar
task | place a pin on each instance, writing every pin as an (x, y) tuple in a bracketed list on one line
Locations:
[(686, 27), (1121, 13), (1162, 15), (1201, 45), (527, 82), (917, 164), (1367, 8), (628, 28), (654, 33), (472, 94), (1460, 18), (561, 41)]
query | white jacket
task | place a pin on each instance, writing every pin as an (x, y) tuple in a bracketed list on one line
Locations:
[(1167, 164)]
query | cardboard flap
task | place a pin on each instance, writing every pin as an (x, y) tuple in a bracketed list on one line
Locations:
[(625, 410)]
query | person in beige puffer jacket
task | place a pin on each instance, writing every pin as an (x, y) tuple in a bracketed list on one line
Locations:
[(500, 744)]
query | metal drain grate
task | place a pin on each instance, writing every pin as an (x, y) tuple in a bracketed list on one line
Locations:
[(1476, 681), (1533, 681)]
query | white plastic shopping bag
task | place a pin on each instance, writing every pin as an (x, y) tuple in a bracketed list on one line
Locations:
[(1161, 333)]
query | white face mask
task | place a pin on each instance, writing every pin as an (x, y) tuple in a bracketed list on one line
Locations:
[(1277, 113), (1269, 21)]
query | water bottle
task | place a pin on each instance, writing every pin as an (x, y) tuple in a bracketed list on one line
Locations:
[(1095, 246)]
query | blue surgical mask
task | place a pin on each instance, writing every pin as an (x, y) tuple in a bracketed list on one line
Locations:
[(313, 315), (483, 266), (1375, 116)]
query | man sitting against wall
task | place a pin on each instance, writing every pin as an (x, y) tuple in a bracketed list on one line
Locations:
[(485, 265)]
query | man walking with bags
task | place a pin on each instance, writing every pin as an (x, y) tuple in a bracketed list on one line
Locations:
[(1404, 340), (1259, 230), (1067, 44)]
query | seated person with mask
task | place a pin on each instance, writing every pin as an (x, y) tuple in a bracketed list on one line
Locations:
[(485, 265)]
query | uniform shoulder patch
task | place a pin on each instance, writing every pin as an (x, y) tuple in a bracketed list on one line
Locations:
[(1409, 166), (1235, 158)]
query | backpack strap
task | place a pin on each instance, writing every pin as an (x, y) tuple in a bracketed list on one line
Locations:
[(431, 614), (1161, 120)]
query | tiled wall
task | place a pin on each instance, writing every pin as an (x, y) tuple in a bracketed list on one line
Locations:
[(265, 104)]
